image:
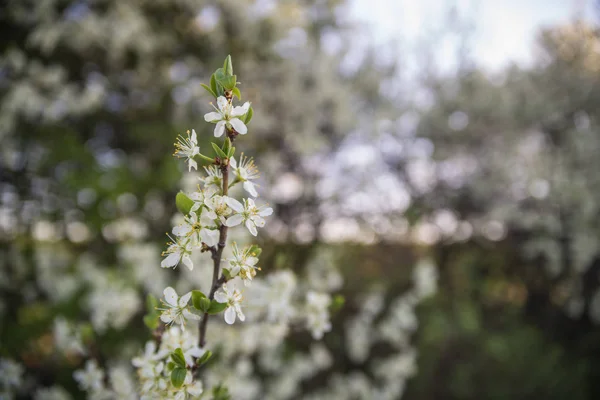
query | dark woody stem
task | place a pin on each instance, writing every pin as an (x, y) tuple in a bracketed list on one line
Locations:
[(217, 253)]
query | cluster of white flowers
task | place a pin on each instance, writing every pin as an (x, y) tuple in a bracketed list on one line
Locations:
[(11, 375)]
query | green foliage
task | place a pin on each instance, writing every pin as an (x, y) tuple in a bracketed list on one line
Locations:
[(184, 203), (216, 307), (178, 358), (200, 301), (178, 376), (151, 319)]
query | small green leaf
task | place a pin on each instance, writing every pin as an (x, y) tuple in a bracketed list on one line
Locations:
[(248, 115), (151, 321), (178, 377), (205, 357), (226, 145), (237, 93), (337, 303), (213, 84), (178, 357), (228, 66), (184, 204), (208, 89), (151, 303), (218, 150), (196, 296), (231, 152), (171, 366), (220, 74), (216, 307), (228, 82), (226, 274)]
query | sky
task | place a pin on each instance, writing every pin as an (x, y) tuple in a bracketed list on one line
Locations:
[(504, 30)]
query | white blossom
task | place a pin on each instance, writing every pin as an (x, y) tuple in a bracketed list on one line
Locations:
[(233, 297), (67, 339), (198, 228), (177, 309), (248, 213), (317, 314), (245, 172), (227, 116), (179, 250), (91, 378), (217, 208), (213, 182), (188, 148), (243, 264)]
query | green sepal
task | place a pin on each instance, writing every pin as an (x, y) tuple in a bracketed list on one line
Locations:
[(178, 377), (236, 92), (248, 116), (218, 150), (255, 250), (228, 66), (178, 358), (205, 160), (205, 357), (208, 89), (184, 204), (216, 307)]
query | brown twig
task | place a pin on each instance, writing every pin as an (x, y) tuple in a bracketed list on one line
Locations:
[(217, 254)]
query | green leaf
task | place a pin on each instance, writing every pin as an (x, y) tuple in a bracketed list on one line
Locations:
[(228, 66), (205, 357), (218, 150), (178, 377), (248, 115), (337, 303), (216, 307), (228, 82), (151, 321), (151, 304), (213, 84), (226, 145), (178, 357), (226, 274), (231, 152), (208, 89), (200, 301), (184, 204), (171, 366), (220, 74), (237, 93)]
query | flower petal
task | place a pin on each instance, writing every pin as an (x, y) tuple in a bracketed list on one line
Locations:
[(234, 204), (170, 296), (266, 212), (192, 164), (188, 262), (183, 300), (232, 162), (222, 103), (170, 261), (230, 315), (249, 187), (251, 227), (234, 220), (221, 297), (219, 129), (213, 117), (240, 110), (194, 137), (210, 237), (239, 126), (181, 230)]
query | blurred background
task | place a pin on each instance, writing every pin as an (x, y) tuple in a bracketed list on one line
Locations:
[(435, 162)]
